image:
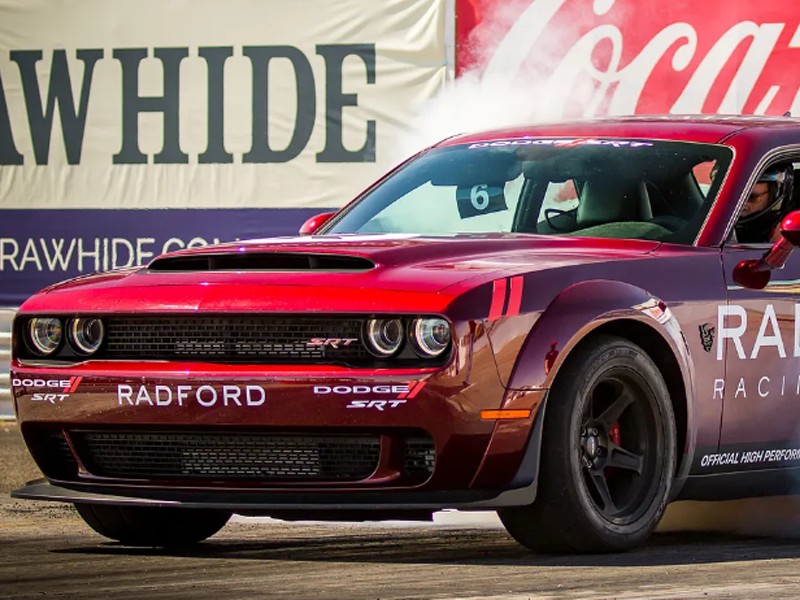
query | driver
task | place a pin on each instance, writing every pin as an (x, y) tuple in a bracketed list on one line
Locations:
[(770, 200)]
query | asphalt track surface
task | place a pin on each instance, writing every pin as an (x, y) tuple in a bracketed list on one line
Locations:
[(46, 551)]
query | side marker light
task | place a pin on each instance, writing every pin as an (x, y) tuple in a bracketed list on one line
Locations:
[(492, 415)]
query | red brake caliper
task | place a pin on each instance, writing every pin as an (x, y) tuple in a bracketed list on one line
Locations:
[(616, 438), (614, 434)]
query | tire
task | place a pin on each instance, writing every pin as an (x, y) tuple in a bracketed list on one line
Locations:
[(152, 526), (608, 454)]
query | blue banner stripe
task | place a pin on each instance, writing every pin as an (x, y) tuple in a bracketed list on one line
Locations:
[(41, 247)]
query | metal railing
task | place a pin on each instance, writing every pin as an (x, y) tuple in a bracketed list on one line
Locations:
[(6, 316)]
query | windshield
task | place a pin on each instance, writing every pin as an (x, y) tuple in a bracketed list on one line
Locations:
[(611, 188)]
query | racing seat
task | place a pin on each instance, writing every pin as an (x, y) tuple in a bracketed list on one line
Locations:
[(620, 209), (611, 200)]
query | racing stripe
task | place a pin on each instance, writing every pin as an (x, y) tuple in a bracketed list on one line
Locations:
[(515, 296), (410, 387), (75, 384), (413, 389), (498, 299), (417, 387)]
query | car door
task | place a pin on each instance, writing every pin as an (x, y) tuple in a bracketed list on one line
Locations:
[(759, 340)]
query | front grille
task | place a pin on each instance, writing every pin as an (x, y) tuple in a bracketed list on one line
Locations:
[(244, 456), (251, 339), (254, 339)]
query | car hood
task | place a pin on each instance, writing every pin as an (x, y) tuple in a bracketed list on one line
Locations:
[(276, 273)]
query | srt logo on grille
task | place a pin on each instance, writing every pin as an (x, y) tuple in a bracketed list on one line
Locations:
[(67, 387), (332, 342)]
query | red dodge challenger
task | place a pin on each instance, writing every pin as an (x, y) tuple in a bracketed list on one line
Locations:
[(572, 324)]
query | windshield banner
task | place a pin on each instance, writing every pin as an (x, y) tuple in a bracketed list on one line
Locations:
[(202, 110), (576, 58)]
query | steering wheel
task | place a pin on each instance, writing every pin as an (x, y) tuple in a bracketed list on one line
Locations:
[(550, 213)]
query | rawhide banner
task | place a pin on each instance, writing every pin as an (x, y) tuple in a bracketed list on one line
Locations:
[(595, 57), (132, 128)]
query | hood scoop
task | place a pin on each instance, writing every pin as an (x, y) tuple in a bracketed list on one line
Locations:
[(262, 261)]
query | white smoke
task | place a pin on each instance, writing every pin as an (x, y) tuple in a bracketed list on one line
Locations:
[(509, 85), (771, 516)]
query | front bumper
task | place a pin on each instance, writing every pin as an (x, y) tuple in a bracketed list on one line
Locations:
[(475, 459), (277, 504)]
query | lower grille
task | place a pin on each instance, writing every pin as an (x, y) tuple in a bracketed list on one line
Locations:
[(53, 455), (245, 456), (419, 456)]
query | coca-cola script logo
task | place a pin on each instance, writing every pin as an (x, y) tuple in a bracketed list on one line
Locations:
[(594, 57)]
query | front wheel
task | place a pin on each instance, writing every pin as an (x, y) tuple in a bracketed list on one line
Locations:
[(608, 454), (152, 526)]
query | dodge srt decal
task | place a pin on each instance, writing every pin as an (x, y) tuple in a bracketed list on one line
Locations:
[(409, 390), (569, 143), (402, 394), (376, 404), (66, 387)]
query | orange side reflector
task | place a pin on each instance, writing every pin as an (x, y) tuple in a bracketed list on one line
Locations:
[(488, 415)]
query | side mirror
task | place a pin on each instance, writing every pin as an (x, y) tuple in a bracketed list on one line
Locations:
[(790, 228), (315, 222), (755, 274)]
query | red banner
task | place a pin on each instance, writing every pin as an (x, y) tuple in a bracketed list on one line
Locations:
[(594, 57)]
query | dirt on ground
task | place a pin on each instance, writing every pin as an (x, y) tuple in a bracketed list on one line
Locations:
[(16, 464)]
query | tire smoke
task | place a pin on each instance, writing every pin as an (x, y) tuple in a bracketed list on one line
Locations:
[(519, 74), (773, 516)]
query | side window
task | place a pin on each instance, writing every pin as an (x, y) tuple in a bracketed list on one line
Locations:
[(773, 196)]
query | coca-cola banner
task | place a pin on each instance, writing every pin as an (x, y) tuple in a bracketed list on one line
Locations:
[(291, 106), (578, 58)]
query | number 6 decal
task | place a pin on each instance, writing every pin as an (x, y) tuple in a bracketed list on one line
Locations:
[(479, 196), (480, 199)]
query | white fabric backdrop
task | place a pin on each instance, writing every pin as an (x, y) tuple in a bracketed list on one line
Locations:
[(405, 37)]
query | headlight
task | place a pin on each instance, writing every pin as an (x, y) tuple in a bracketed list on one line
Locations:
[(430, 336), (86, 334), (384, 336), (45, 334)]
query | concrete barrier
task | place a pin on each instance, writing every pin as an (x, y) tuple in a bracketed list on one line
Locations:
[(6, 316)]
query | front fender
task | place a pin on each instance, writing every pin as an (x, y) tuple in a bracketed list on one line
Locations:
[(581, 309), (576, 312)]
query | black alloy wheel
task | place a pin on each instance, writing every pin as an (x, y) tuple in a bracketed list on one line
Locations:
[(618, 444), (608, 454)]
